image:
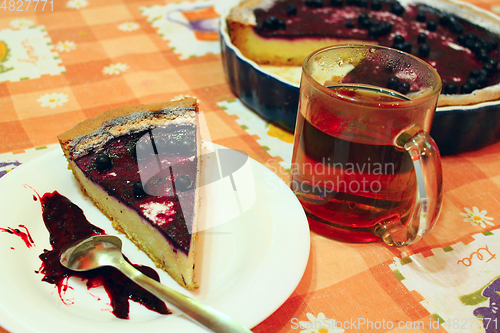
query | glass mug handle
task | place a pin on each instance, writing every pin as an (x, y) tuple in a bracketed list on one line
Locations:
[(427, 164)]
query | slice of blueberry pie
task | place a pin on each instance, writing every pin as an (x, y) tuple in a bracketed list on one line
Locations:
[(462, 46), (139, 165)]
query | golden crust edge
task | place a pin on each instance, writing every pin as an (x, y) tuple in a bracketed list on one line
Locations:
[(90, 125)]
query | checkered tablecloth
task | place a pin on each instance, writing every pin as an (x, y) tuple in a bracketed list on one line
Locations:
[(77, 58)]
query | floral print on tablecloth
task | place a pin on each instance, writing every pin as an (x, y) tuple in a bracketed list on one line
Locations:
[(27, 52), (190, 28), (470, 271), (10, 161)]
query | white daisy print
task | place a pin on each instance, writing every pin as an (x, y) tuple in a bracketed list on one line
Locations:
[(65, 46), (320, 324), (53, 100), (129, 26), (77, 4), (22, 23), (115, 69), (476, 217)]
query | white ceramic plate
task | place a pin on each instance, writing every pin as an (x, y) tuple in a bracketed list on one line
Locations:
[(248, 264)]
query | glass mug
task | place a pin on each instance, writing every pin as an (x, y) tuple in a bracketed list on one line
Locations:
[(364, 166)]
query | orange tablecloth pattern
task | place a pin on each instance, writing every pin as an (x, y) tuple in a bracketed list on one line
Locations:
[(77, 58)]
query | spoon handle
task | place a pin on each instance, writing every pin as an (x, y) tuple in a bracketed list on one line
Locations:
[(204, 314)]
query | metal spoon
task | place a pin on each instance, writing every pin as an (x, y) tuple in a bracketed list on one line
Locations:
[(105, 250)]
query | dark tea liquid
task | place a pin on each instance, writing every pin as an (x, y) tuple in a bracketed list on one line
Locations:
[(348, 186)]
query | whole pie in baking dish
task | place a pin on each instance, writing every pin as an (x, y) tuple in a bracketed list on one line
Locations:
[(139, 165), (462, 46)]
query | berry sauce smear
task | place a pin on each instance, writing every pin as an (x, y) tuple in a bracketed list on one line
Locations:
[(67, 224)]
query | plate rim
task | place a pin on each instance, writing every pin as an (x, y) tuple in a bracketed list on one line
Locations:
[(15, 325)]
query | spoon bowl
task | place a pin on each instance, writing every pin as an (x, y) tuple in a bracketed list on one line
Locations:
[(105, 250), (91, 253)]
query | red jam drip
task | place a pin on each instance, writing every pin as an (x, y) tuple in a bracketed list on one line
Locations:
[(67, 224), (24, 235), (453, 61), (120, 178)]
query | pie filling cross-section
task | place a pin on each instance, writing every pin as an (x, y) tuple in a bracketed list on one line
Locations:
[(140, 166)]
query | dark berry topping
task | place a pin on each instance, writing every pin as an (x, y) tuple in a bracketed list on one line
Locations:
[(475, 73), (422, 37), (472, 82), (432, 25), (103, 162), (450, 88), (165, 145), (457, 28), (398, 39), (186, 146), (362, 17), (469, 43), (471, 36), (138, 189), (444, 19), (376, 5), (405, 47), (389, 68), (482, 54), (379, 28), (386, 28), (180, 142), (482, 81), (461, 40), (424, 31), (397, 9), (183, 183), (404, 87), (480, 75), (156, 181), (314, 3), (492, 45), (142, 149), (466, 89), (424, 50), (365, 23), (490, 66), (393, 83), (478, 47), (273, 23), (292, 9), (421, 17)]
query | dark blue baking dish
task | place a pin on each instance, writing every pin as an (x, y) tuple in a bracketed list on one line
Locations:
[(455, 129)]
